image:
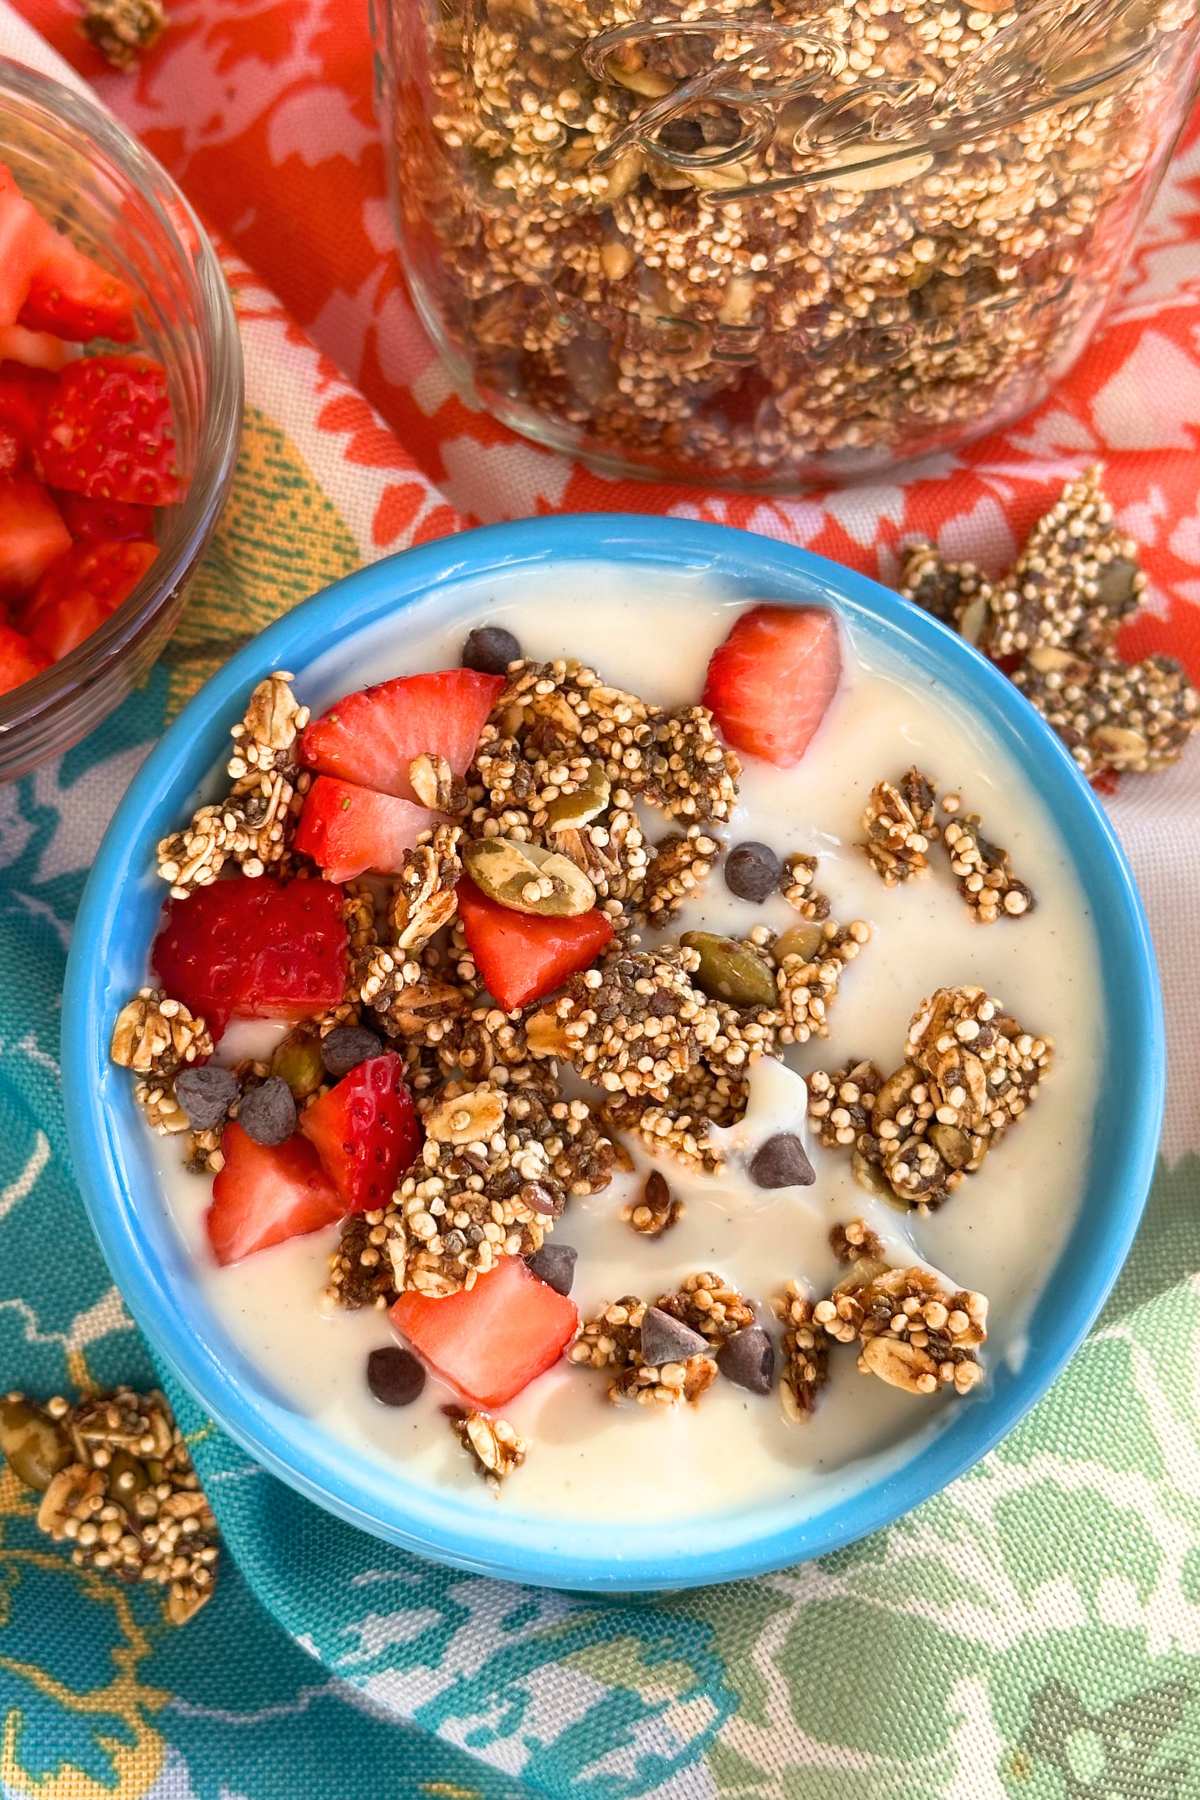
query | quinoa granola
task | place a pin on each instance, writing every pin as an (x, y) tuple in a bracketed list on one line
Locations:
[(1058, 612)]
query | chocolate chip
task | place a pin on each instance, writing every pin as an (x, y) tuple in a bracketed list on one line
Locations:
[(489, 649), (395, 1376), (206, 1095), (668, 1340), (346, 1046), (752, 871), (268, 1113), (782, 1162), (748, 1359), (555, 1265)]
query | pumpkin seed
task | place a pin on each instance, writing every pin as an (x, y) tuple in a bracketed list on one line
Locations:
[(298, 1061), (572, 811), (952, 1145), (528, 879), (798, 940), (729, 971), (871, 1177), (127, 1475), (35, 1446)]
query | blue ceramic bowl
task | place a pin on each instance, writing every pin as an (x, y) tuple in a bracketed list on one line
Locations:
[(112, 1149)]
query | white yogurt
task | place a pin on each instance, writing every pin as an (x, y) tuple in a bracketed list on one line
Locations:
[(1000, 1232)]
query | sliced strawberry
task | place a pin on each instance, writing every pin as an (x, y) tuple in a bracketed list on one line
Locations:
[(267, 1193), (348, 830), (20, 660), (371, 737), (73, 297), (770, 683), (25, 396), (32, 535), (21, 232), (82, 589), (12, 450), (112, 519), (108, 432), (365, 1131), (33, 349), (491, 1340), (254, 948), (523, 958)]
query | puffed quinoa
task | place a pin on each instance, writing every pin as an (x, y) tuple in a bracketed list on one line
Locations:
[(805, 1367), (798, 886), (656, 1211)]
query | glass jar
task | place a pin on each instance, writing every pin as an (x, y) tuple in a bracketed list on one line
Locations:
[(768, 241)]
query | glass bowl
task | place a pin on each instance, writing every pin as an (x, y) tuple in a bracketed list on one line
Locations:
[(91, 179)]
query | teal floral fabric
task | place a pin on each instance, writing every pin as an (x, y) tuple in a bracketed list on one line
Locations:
[(1030, 1633)]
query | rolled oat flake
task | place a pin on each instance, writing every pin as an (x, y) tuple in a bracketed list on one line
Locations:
[(268, 1113), (782, 1162), (206, 1095), (752, 871), (346, 1046), (555, 1265), (489, 649), (668, 1340), (394, 1376), (748, 1360)]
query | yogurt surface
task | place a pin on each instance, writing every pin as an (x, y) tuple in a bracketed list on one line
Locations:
[(1000, 1231)]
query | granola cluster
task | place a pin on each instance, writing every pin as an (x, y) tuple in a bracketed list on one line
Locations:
[(984, 871), (117, 1484), (1059, 610), (912, 1331), (705, 1312), (970, 1071), (900, 823), (251, 826), (497, 1168), (496, 1449)]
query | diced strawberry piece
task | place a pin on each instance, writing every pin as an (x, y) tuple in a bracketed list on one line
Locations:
[(32, 535), (267, 1193), (33, 349), (254, 948), (490, 1341), (371, 737), (82, 589), (111, 519), (365, 1131), (12, 450), (20, 660), (108, 432), (25, 396), (523, 958), (72, 296), (21, 231), (770, 683), (348, 830)]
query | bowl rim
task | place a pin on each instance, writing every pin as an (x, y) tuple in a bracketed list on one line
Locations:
[(36, 700), (436, 1523)]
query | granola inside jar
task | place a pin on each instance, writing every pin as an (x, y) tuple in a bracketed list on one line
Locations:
[(764, 242)]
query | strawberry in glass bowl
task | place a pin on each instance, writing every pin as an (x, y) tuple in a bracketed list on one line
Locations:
[(120, 409)]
